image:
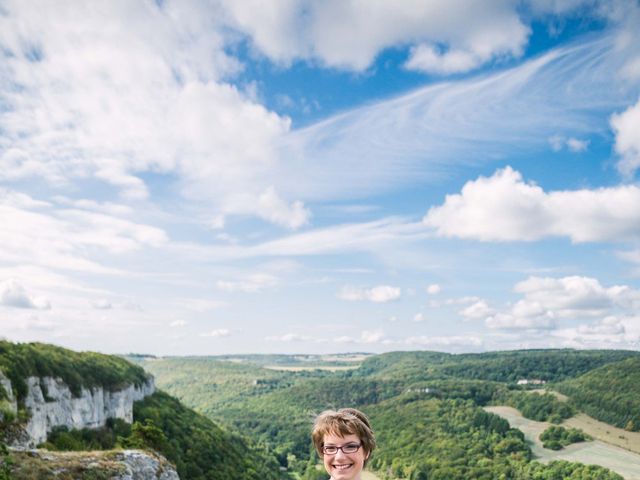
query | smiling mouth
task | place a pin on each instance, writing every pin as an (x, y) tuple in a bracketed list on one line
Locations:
[(343, 467)]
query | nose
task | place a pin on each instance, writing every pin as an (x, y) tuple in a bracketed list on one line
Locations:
[(340, 454)]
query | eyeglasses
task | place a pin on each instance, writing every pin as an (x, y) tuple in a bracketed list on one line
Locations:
[(348, 448)]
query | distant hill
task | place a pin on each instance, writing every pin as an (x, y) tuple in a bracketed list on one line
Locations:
[(610, 393), (508, 366)]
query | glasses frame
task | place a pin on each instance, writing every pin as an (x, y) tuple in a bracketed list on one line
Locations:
[(341, 448)]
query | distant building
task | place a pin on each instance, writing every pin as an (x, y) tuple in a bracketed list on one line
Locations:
[(533, 381)]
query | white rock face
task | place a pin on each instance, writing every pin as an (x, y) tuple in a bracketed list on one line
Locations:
[(90, 410), (143, 466)]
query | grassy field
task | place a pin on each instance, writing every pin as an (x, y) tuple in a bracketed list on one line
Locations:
[(619, 460), (605, 432)]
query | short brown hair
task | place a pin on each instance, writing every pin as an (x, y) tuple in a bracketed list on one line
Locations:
[(346, 421)]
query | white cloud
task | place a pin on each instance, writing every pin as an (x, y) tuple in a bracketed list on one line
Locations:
[(272, 208), (93, 109), (575, 145), (477, 310), (433, 289), (178, 323), (609, 332), (379, 294), (13, 294), (216, 333), (626, 126), (548, 301), (505, 208), (418, 317), (416, 137), (350, 34), (37, 234), (253, 283), (372, 336)]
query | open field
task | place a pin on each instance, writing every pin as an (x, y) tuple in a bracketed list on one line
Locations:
[(605, 432), (596, 452)]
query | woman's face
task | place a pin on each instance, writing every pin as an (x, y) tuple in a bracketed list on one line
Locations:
[(344, 466)]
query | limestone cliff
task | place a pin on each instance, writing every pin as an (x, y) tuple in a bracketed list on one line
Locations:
[(50, 404)]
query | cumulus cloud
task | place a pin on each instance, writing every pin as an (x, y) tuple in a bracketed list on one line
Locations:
[(418, 317), (548, 301), (626, 126), (505, 208), (350, 34), (379, 294), (82, 110), (13, 294), (477, 310), (609, 332), (272, 208), (178, 323)]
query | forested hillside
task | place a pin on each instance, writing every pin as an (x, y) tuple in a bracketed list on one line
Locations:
[(510, 366), (610, 393)]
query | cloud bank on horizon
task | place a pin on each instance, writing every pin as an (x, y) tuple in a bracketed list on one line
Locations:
[(219, 176)]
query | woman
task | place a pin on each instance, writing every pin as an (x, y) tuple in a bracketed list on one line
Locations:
[(344, 440)]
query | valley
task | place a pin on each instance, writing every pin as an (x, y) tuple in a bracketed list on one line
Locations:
[(436, 415)]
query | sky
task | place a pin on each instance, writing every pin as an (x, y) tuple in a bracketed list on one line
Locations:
[(295, 176)]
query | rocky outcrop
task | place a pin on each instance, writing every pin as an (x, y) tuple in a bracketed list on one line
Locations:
[(143, 466), (51, 404), (115, 465)]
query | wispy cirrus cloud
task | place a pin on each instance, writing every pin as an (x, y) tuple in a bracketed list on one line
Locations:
[(421, 135)]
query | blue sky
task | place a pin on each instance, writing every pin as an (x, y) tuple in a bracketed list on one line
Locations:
[(214, 177)]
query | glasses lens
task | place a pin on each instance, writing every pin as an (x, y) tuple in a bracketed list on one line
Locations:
[(351, 448), (330, 450)]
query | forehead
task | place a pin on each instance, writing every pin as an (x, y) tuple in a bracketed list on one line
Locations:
[(334, 439)]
